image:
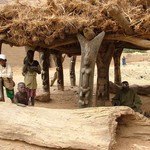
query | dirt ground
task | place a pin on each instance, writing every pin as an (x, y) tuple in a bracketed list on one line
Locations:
[(137, 71)]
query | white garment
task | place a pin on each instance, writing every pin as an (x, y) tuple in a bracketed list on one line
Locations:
[(6, 72)]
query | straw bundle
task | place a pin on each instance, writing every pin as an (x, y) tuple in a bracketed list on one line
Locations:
[(43, 22)]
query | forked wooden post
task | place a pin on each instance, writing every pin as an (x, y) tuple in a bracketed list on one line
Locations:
[(89, 51), (103, 62)]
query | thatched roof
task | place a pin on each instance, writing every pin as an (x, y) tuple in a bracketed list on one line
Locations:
[(43, 23)]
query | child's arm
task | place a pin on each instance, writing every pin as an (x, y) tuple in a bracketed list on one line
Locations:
[(16, 98), (37, 68), (24, 69)]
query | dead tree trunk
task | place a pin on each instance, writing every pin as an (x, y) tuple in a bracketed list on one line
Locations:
[(117, 72), (72, 129), (89, 50), (72, 71), (103, 62), (44, 61)]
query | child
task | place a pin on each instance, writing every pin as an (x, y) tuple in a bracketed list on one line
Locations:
[(21, 97), (6, 76), (30, 69)]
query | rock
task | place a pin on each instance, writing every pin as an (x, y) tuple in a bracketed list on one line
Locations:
[(43, 97)]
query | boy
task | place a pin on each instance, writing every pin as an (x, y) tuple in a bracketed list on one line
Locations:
[(21, 97), (30, 69)]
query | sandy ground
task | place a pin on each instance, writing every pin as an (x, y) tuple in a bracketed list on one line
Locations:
[(137, 71)]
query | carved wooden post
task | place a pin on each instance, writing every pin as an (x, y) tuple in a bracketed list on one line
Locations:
[(1, 82), (1, 90), (72, 71), (117, 72), (89, 50), (59, 69), (55, 77), (0, 47), (44, 61), (103, 61)]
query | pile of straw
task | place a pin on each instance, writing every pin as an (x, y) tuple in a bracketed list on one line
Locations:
[(42, 22)]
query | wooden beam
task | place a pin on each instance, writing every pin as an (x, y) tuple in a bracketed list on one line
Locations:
[(65, 41), (138, 41), (117, 14), (69, 50), (130, 39)]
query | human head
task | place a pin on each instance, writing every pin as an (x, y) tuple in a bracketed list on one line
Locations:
[(125, 85), (3, 60), (30, 55), (21, 87)]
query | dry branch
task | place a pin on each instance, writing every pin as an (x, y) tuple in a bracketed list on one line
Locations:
[(116, 13)]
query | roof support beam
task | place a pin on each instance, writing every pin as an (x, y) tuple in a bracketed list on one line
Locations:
[(130, 39)]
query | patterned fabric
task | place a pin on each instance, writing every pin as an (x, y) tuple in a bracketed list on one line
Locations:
[(30, 74), (10, 93), (31, 92)]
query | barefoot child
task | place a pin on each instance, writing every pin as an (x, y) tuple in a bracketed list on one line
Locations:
[(30, 70), (21, 97)]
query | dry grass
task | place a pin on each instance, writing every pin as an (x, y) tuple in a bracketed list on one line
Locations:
[(45, 21)]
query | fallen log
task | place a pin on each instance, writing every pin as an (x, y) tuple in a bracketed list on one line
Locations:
[(88, 128)]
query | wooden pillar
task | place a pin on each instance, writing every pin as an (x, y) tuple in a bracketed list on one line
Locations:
[(72, 71), (55, 77), (89, 50), (0, 47), (117, 71), (59, 69), (103, 62), (1, 81), (1, 90), (44, 62)]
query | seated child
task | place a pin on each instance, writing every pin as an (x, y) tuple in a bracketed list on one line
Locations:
[(21, 97)]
